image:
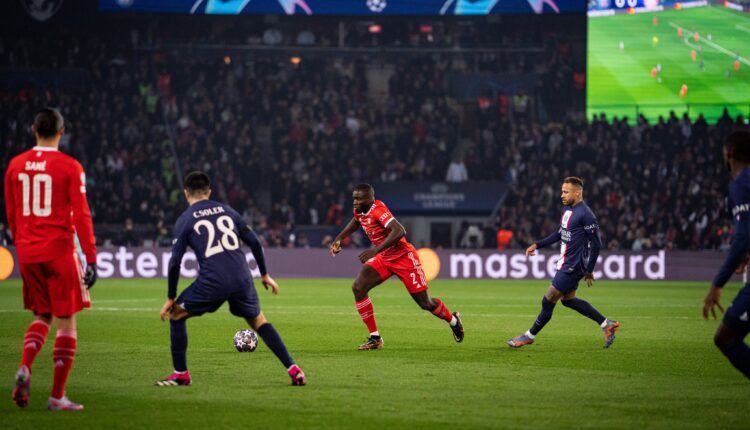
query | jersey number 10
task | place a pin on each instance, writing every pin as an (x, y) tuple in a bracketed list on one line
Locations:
[(31, 190), (228, 241)]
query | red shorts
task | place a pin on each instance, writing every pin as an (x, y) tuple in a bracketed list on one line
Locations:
[(407, 268), (55, 287)]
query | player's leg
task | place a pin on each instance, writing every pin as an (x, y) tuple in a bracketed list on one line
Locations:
[(609, 327), (438, 308), (730, 341), (373, 273), (272, 339), (66, 289), (36, 298), (550, 299), (731, 333), (408, 269), (195, 300), (244, 303), (178, 340), (63, 355), (34, 339)]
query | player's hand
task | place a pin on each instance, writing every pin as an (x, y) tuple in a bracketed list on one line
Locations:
[(89, 278), (743, 266), (166, 309), (589, 278), (367, 255), (531, 250), (268, 282), (711, 302), (335, 247)]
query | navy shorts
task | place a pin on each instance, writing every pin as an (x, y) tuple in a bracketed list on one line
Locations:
[(739, 311), (565, 282), (199, 298)]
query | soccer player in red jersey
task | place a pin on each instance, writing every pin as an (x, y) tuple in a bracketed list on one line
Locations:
[(45, 198), (392, 254)]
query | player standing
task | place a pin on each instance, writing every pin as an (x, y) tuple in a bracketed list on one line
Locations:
[(732, 331), (45, 197), (579, 233), (214, 230), (391, 255)]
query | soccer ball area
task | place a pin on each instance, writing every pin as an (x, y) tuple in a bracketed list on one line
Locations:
[(624, 50), (662, 371)]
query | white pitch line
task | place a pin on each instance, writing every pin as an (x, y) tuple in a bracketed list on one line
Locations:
[(125, 301), (714, 45), (388, 313), (741, 28)]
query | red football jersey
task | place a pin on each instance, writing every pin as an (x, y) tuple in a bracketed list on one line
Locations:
[(374, 222), (45, 200)]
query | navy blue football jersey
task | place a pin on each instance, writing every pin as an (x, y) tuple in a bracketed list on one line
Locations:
[(579, 234), (213, 231), (739, 205)]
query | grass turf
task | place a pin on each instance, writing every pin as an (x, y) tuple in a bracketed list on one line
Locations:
[(618, 80), (662, 372)]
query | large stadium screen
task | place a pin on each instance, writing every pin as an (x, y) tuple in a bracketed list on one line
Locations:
[(652, 57), (346, 7)]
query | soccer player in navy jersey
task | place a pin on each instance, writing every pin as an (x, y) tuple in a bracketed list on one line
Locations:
[(214, 230), (730, 336), (579, 234)]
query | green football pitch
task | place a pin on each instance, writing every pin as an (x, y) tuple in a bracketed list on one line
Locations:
[(620, 81), (662, 372)]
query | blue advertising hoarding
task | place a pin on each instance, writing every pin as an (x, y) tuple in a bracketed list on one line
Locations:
[(441, 198), (345, 7)]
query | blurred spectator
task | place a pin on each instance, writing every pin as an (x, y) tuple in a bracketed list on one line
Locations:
[(504, 236), (457, 170)]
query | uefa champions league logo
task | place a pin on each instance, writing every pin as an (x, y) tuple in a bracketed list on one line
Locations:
[(41, 10), (376, 6)]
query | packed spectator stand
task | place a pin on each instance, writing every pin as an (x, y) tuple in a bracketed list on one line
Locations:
[(285, 137)]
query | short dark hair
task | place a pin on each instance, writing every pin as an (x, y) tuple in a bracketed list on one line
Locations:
[(197, 182), (575, 180), (48, 122), (365, 188), (738, 145)]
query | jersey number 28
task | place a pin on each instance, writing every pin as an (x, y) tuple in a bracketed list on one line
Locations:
[(228, 240)]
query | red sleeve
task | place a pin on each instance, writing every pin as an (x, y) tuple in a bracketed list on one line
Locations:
[(383, 215), (10, 201), (81, 212)]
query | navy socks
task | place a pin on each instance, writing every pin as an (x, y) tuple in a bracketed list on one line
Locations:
[(273, 340), (584, 308), (178, 335), (544, 316), (739, 355)]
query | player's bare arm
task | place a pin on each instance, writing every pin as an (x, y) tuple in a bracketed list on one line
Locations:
[(531, 250), (350, 228), (395, 232)]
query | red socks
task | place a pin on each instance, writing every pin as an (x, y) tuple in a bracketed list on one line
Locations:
[(367, 313), (441, 311), (33, 341), (65, 350)]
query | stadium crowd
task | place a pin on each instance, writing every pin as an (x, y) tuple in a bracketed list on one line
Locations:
[(303, 132)]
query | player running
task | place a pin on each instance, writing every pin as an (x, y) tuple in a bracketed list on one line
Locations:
[(730, 335), (391, 255), (45, 198), (579, 233), (214, 230)]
